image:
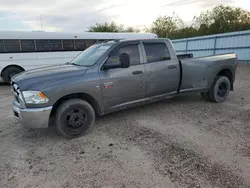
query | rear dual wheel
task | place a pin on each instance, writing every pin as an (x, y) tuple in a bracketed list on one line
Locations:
[(219, 91)]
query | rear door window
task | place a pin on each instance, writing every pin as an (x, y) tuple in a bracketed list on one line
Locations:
[(156, 52)]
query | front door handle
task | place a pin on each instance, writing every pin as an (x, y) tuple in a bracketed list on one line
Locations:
[(137, 72), (172, 67)]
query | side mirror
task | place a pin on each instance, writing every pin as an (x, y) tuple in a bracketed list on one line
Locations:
[(124, 60)]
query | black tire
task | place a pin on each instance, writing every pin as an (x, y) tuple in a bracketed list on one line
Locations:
[(74, 118), (220, 89), (9, 72)]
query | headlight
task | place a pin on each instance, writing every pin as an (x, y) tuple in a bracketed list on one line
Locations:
[(34, 97)]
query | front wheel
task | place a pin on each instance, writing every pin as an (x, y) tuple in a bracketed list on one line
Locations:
[(74, 118)]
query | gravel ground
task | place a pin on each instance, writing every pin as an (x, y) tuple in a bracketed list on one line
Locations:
[(180, 142)]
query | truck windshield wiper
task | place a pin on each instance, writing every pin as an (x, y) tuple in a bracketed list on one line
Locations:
[(68, 63), (75, 64)]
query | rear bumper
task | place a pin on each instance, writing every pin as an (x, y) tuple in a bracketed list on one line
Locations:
[(32, 117)]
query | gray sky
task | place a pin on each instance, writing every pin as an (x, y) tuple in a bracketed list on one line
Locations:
[(78, 15)]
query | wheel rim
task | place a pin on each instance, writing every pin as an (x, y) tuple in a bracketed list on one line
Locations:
[(75, 118), (222, 89)]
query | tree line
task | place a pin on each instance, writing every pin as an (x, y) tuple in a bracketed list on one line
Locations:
[(220, 19)]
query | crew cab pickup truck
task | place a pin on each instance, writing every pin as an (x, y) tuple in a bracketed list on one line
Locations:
[(112, 76)]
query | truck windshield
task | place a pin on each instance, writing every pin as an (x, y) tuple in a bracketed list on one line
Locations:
[(89, 56)]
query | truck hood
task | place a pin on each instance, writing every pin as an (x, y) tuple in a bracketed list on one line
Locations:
[(47, 76)]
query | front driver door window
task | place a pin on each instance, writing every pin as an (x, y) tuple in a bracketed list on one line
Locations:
[(133, 52)]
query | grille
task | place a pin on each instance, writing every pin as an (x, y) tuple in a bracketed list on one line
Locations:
[(16, 91)]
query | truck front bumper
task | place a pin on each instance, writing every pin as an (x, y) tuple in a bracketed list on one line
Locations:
[(32, 117)]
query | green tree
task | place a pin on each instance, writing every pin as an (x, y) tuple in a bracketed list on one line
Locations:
[(106, 27), (185, 32), (222, 19), (165, 26), (111, 27), (131, 29)]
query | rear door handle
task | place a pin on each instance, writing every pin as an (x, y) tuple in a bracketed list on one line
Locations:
[(137, 72), (172, 67)]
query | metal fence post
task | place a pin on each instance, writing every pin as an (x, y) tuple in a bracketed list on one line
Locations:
[(186, 46), (215, 41)]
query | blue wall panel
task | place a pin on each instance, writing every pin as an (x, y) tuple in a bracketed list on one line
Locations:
[(180, 45), (237, 42), (234, 41), (201, 44)]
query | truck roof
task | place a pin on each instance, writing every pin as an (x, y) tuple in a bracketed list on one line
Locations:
[(146, 39)]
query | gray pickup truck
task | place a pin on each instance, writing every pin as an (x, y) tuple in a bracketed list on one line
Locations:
[(112, 76)]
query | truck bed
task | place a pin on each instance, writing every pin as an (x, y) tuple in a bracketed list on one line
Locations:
[(197, 72)]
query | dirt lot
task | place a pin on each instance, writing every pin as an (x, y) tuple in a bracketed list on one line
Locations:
[(180, 142)]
